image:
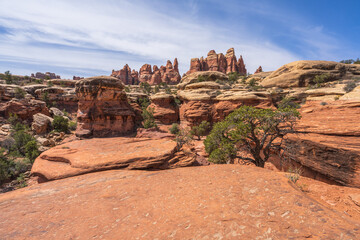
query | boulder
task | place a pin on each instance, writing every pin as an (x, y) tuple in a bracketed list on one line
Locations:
[(41, 124), (103, 108), (56, 112), (84, 156), (7, 91), (24, 108), (205, 76), (211, 202), (302, 73), (165, 109)]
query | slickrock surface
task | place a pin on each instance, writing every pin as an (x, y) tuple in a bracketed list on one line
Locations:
[(97, 154), (212, 202), (331, 145), (103, 108), (301, 73)]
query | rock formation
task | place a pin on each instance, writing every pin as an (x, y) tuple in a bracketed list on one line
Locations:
[(167, 74), (103, 108), (165, 109), (126, 75), (218, 62), (77, 78), (46, 75), (84, 156), (212, 202), (302, 73), (63, 98), (259, 70), (24, 108)]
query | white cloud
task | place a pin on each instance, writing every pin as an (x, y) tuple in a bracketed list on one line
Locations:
[(103, 35)]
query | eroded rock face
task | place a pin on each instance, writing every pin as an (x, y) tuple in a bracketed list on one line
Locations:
[(259, 70), (218, 62), (165, 109), (41, 124), (103, 108), (302, 73), (24, 108), (330, 147), (62, 98), (167, 74), (84, 156), (228, 201)]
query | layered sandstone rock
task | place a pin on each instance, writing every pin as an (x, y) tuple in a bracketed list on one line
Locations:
[(62, 82), (63, 98), (259, 70), (165, 109), (41, 123), (126, 75), (213, 202), (84, 156), (103, 108), (167, 74), (302, 73), (24, 108), (218, 62), (329, 146), (206, 75)]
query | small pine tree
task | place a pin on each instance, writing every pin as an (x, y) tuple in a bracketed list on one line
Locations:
[(60, 124), (174, 128), (201, 129)]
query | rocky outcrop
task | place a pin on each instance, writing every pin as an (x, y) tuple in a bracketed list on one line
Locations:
[(41, 124), (103, 108), (77, 78), (259, 70), (24, 108), (90, 155), (165, 109), (47, 75), (126, 75), (62, 82), (218, 62), (328, 147), (213, 202), (63, 98), (302, 73), (168, 74), (211, 101)]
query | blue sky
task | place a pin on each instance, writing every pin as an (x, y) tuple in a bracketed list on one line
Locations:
[(87, 38)]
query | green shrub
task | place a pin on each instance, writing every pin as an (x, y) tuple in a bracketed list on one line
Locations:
[(72, 125), (46, 99), (19, 93), (201, 129), (323, 103), (233, 77), (288, 102), (21, 138), (349, 86), (6, 167), (182, 137), (202, 78), (8, 77), (31, 150), (50, 84), (168, 90), (145, 86), (294, 174), (318, 80), (148, 116), (60, 124), (127, 89), (143, 102), (250, 128), (174, 128), (156, 89)]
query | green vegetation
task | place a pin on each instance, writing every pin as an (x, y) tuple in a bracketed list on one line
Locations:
[(174, 128), (143, 102), (202, 78), (148, 116), (201, 129), (253, 85), (288, 102), (233, 77), (294, 174), (318, 80), (182, 137), (250, 129), (127, 89), (72, 125), (351, 61), (8, 77), (146, 88), (50, 84), (20, 93), (349, 86), (156, 89), (60, 124)]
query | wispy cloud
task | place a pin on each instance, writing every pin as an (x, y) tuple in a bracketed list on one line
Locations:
[(97, 36)]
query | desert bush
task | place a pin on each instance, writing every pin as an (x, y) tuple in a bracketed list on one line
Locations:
[(174, 128), (19, 93), (60, 124), (250, 128), (294, 174), (183, 137), (318, 80), (145, 86), (31, 150), (288, 102), (127, 89), (72, 125), (201, 129), (143, 102), (323, 103), (148, 116), (233, 77), (8, 77), (349, 86)]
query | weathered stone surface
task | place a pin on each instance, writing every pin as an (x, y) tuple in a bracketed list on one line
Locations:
[(41, 123), (63, 98), (354, 95), (103, 108), (24, 108), (258, 70), (7, 91), (165, 109), (207, 75), (63, 82), (84, 156), (32, 88), (126, 75), (212, 202), (302, 73), (218, 62)]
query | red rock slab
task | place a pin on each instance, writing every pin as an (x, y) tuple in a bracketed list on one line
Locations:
[(209, 202), (97, 154)]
